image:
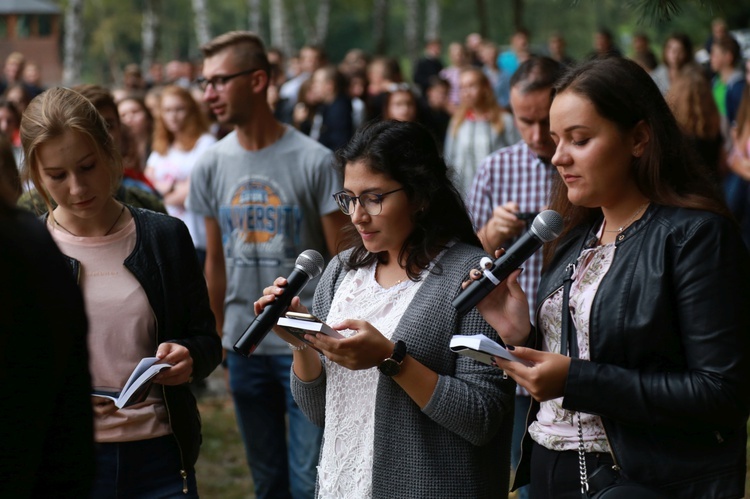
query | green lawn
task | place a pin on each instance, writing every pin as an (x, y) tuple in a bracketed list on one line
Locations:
[(221, 471)]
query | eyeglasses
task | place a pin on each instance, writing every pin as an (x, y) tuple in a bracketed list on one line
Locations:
[(372, 203), (220, 81)]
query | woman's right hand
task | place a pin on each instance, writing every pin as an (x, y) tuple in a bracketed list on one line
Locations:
[(269, 296), (505, 308)]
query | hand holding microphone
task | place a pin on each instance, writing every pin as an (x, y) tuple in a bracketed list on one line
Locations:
[(546, 227), (309, 265)]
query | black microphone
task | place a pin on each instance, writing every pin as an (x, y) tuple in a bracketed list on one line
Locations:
[(546, 227), (309, 265)]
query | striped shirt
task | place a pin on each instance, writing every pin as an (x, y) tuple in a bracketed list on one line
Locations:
[(513, 173)]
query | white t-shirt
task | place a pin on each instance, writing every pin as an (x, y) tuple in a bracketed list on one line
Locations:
[(178, 164)]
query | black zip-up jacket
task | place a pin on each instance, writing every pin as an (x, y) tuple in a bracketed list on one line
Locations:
[(670, 360), (165, 264)]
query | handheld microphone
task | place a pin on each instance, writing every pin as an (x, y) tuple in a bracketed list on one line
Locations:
[(546, 227), (309, 265)]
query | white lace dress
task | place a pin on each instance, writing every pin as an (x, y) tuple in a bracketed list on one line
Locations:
[(345, 469)]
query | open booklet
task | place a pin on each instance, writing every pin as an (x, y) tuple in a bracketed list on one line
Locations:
[(138, 385), (299, 325), (482, 348)]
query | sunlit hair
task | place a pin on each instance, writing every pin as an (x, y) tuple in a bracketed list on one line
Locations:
[(195, 125), (247, 49), (51, 115), (407, 153), (693, 105), (486, 104), (667, 174)]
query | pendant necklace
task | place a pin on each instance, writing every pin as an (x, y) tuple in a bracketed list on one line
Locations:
[(630, 220), (119, 216)]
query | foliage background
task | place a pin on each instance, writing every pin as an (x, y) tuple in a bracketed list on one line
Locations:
[(112, 28)]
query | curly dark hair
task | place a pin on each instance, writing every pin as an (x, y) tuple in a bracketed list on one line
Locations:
[(407, 152)]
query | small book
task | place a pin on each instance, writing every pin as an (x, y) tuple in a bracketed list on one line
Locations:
[(482, 348), (138, 385), (302, 324)]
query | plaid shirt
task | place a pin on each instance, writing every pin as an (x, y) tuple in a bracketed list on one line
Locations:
[(513, 173)]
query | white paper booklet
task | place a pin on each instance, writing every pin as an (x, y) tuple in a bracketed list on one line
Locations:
[(481, 348), (138, 384)]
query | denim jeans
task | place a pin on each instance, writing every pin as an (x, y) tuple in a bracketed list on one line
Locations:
[(144, 469), (262, 398)]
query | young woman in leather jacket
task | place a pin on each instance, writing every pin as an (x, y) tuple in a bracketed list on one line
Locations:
[(660, 387), (144, 293)]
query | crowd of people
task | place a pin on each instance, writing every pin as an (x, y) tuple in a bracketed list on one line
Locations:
[(181, 200)]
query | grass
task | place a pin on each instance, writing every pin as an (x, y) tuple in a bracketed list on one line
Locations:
[(221, 470)]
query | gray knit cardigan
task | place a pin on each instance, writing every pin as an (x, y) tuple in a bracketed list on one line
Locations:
[(459, 444)]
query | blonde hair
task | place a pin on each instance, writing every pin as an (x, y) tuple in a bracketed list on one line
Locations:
[(693, 105), (52, 114), (195, 125), (486, 104)]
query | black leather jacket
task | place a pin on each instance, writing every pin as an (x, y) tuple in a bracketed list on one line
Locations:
[(165, 264), (669, 372)]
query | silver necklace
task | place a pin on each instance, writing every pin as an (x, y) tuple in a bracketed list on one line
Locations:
[(630, 220), (119, 216)]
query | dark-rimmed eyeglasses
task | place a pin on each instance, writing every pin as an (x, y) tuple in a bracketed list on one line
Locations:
[(372, 203), (220, 81)]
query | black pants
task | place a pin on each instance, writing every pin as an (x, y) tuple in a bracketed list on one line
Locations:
[(556, 475)]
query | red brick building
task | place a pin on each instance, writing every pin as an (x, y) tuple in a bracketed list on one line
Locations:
[(32, 27)]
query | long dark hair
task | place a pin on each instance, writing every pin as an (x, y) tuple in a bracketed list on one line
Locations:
[(407, 152), (667, 173)]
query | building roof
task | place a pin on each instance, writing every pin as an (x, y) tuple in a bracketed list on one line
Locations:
[(29, 7)]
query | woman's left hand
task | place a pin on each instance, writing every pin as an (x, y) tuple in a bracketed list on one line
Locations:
[(366, 349), (182, 364), (545, 379)]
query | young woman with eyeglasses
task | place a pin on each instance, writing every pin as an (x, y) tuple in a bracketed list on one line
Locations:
[(402, 414)]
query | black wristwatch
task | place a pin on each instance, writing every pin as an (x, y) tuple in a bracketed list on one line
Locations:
[(392, 365)]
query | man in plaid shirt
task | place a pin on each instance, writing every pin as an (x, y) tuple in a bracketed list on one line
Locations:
[(512, 185)]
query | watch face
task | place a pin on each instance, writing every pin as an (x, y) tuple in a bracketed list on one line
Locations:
[(390, 367)]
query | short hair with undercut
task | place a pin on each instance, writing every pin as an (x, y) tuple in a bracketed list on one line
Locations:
[(246, 45)]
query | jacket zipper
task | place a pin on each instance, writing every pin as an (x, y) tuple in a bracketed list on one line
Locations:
[(183, 472)]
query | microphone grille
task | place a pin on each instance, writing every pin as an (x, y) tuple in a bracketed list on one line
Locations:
[(547, 225), (311, 263)]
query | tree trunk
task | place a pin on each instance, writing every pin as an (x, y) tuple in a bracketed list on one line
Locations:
[(149, 30), (202, 33), (321, 23), (432, 20), (380, 26), (411, 29), (254, 17), (73, 47), (303, 18), (518, 14), (280, 36), (482, 16)]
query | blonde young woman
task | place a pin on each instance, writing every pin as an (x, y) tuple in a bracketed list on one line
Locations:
[(144, 293), (478, 127), (180, 137), (694, 108)]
